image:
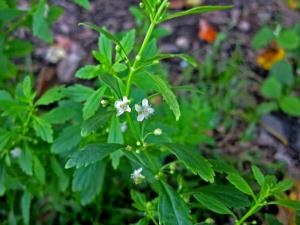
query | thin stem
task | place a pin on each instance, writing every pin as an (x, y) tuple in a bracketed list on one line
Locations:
[(251, 211), (144, 45), (142, 49)]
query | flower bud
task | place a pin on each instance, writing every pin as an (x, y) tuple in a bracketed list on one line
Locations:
[(118, 48), (141, 5), (157, 132)]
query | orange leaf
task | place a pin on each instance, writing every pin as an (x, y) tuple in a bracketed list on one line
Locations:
[(207, 32), (270, 56)]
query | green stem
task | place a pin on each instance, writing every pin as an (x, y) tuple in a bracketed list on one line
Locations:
[(251, 211), (142, 49), (144, 45)]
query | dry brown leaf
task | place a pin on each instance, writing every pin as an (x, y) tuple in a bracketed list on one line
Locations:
[(270, 56)]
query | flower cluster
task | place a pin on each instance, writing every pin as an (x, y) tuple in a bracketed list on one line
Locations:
[(137, 176), (144, 110)]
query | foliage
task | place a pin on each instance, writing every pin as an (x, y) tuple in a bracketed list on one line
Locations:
[(78, 156)]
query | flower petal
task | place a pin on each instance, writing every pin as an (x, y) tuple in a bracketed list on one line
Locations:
[(140, 117), (145, 102), (138, 108)]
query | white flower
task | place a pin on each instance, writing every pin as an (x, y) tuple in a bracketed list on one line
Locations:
[(122, 106), (16, 152), (157, 132), (144, 110), (137, 176), (124, 126)]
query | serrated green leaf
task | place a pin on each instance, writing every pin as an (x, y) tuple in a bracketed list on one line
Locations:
[(114, 83), (25, 207), (283, 186), (89, 181), (63, 179), (78, 92), (43, 129), (88, 72), (92, 104), (195, 10), (17, 48), (240, 183), (94, 123), (287, 203), (106, 49), (115, 135), (91, 154), (193, 161), (139, 200), (3, 174), (258, 175), (290, 105), (25, 161), (229, 195), (68, 139), (127, 42), (167, 94), (184, 57), (52, 95), (172, 209), (212, 203), (7, 14), (39, 170)]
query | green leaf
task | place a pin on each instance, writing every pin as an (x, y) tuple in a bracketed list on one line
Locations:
[(17, 48), (240, 183), (3, 174), (52, 95), (39, 170), (290, 105), (167, 94), (106, 49), (63, 179), (4, 139), (193, 161), (283, 72), (287, 203), (68, 139), (127, 42), (262, 38), (60, 114), (115, 136), (9, 14), (78, 92), (143, 221), (258, 175), (43, 129), (184, 57), (27, 87), (84, 3), (104, 32), (40, 25), (89, 181), (139, 199), (228, 195), (271, 88), (25, 161), (25, 207), (93, 103), (91, 154), (172, 209), (94, 123), (283, 186), (88, 72), (289, 39), (195, 10), (114, 83), (212, 203)]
